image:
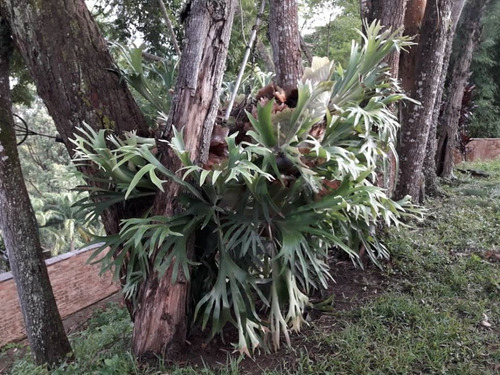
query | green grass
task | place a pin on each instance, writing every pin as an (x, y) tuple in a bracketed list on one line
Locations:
[(432, 318)]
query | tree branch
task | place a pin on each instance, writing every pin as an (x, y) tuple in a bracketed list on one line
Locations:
[(245, 59), (170, 27)]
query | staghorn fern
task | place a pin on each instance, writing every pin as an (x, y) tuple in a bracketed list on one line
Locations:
[(267, 233)]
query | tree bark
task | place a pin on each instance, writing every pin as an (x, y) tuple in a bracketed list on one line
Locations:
[(417, 118), (431, 186), (160, 320), (285, 42), (413, 18), (306, 50), (73, 72), (263, 53), (471, 29), (391, 14), (44, 328)]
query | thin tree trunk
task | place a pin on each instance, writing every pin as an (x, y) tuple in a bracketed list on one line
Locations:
[(391, 14), (44, 328), (413, 18), (263, 54), (285, 42), (431, 186), (471, 29), (417, 118), (73, 72), (365, 7), (170, 27), (306, 50), (160, 321), (243, 65)]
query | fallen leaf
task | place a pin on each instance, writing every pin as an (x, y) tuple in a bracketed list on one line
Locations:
[(485, 322)]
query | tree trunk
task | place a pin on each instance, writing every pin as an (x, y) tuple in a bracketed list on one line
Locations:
[(417, 118), (431, 187), (46, 335), (471, 29), (306, 50), (285, 42), (263, 53), (413, 18), (160, 320), (391, 14), (73, 72)]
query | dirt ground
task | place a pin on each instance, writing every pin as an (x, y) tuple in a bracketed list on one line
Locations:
[(351, 288)]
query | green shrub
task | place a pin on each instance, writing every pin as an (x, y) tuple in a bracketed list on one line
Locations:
[(299, 189)]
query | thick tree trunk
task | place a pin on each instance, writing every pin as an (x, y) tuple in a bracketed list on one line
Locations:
[(471, 29), (417, 118), (160, 320), (46, 335), (73, 72), (285, 42), (431, 186)]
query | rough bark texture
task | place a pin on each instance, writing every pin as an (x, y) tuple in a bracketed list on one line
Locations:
[(416, 119), (160, 320), (471, 30), (285, 42), (414, 15), (431, 186), (73, 71), (391, 14), (44, 327)]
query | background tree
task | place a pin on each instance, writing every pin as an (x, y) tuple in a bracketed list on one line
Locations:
[(44, 328), (391, 14), (76, 83), (416, 118), (413, 18), (122, 21), (334, 39), (50, 177), (285, 41), (485, 72), (470, 33), (430, 175)]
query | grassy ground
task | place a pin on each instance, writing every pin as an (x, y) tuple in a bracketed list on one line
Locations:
[(435, 309)]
